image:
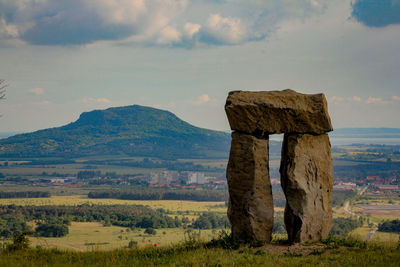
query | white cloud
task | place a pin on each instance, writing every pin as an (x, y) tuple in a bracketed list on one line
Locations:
[(226, 30), (8, 30), (336, 99), (66, 22), (204, 98), (375, 100), (149, 22), (168, 36), (190, 30), (36, 91)]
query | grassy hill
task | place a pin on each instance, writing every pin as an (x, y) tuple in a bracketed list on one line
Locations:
[(130, 130), (195, 254)]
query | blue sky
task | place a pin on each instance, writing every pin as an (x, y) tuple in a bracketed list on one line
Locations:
[(64, 57)]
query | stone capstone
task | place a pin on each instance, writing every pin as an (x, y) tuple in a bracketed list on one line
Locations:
[(306, 178), (250, 210), (275, 112)]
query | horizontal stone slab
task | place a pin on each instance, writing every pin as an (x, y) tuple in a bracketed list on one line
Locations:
[(275, 112)]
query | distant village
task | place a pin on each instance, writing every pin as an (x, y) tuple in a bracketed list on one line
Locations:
[(163, 179), (377, 184), (190, 181)]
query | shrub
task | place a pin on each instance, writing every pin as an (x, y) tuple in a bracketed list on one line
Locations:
[(150, 231), (51, 230), (20, 242), (390, 226)]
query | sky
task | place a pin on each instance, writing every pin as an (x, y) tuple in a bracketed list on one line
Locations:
[(60, 58)]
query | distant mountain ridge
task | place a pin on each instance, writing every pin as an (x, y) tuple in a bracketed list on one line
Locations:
[(131, 130), (366, 132)]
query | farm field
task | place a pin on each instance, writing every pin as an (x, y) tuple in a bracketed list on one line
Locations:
[(70, 169), (171, 205)]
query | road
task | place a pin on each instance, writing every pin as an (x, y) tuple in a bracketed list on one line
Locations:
[(363, 190), (346, 208), (372, 232)]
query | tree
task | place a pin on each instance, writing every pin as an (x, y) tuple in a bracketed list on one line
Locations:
[(51, 229)]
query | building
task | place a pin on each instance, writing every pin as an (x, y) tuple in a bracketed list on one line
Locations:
[(163, 177), (193, 178)]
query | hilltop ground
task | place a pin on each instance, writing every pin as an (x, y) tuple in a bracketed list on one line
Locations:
[(192, 253)]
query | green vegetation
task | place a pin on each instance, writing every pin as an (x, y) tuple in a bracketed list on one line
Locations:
[(12, 225), (343, 226), (210, 220), (339, 197), (360, 171), (358, 152), (390, 226), (121, 215), (52, 228), (336, 252), (159, 194), (24, 194), (131, 130)]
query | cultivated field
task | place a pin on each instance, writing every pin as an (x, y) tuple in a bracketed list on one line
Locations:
[(171, 205)]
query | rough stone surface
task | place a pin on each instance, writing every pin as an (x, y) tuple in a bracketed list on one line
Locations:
[(306, 179), (274, 112), (250, 210)]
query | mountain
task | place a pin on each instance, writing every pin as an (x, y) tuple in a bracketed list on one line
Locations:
[(130, 130), (366, 133)]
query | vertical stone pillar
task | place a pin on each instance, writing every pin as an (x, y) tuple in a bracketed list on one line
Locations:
[(250, 210), (306, 179)]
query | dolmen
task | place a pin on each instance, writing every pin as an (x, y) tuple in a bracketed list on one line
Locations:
[(306, 164)]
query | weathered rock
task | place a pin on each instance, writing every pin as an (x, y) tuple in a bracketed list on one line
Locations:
[(306, 178), (274, 112), (250, 210)]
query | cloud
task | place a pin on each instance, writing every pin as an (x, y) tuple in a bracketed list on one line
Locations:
[(36, 91), (77, 22), (147, 22), (376, 100), (336, 99), (376, 13), (169, 36), (8, 30), (204, 98), (89, 100), (190, 30), (224, 30)]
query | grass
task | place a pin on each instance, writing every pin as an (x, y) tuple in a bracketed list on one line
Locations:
[(360, 233), (385, 238), (198, 255), (88, 236)]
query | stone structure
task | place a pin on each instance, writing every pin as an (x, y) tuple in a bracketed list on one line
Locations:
[(251, 209), (306, 164)]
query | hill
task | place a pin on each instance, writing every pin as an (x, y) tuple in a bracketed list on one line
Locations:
[(131, 130), (192, 253), (366, 132)]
